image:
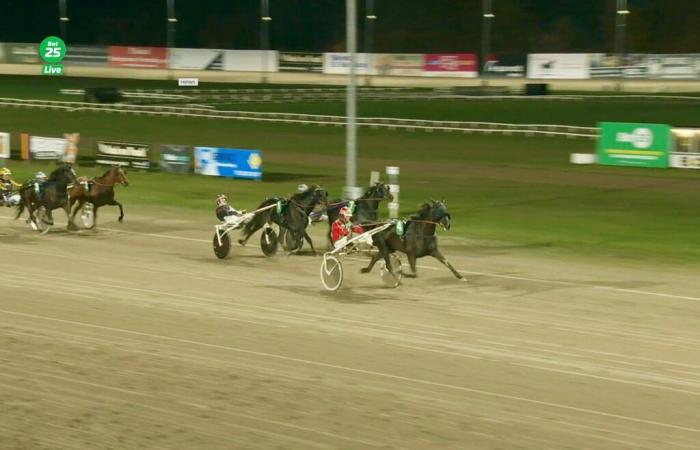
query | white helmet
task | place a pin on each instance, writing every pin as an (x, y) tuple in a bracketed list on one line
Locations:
[(221, 200), (302, 188), (41, 176)]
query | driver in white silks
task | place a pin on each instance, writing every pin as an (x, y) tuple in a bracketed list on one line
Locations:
[(315, 216), (226, 213)]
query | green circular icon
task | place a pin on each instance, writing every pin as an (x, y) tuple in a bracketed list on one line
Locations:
[(52, 49)]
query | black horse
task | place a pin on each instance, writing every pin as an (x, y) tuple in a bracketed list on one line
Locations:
[(366, 207), (291, 214), (54, 195), (417, 241)]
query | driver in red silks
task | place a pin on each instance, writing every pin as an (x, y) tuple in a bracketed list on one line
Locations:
[(342, 228)]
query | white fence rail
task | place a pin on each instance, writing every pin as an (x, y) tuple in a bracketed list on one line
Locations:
[(568, 131)]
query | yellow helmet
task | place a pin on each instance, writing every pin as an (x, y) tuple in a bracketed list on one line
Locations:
[(5, 171)]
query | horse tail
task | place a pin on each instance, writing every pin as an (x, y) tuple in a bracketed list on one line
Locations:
[(259, 218)]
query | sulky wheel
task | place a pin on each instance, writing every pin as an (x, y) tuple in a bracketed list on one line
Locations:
[(41, 220), (268, 242), (391, 278), (331, 273), (221, 250), (87, 216)]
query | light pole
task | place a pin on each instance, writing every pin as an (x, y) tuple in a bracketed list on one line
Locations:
[(486, 20), (351, 102), (63, 19), (369, 33), (621, 13), (172, 20), (264, 35)]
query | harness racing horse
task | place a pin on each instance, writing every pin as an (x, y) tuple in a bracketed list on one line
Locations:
[(99, 191), (366, 207), (419, 239), (291, 214), (54, 196)]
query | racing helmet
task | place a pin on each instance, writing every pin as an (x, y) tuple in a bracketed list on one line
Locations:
[(302, 188), (5, 171), (40, 176), (221, 200), (345, 212)]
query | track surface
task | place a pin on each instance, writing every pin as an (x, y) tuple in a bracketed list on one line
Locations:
[(136, 336)]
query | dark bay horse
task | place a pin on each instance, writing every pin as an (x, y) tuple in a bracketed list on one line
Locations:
[(292, 214), (419, 239), (53, 196), (99, 191), (366, 207)]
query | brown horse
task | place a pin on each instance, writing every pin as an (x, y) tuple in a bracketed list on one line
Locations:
[(99, 191)]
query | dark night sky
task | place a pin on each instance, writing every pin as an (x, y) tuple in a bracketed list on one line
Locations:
[(403, 25)]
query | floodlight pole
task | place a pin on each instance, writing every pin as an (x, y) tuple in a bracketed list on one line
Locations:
[(369, 33), (621, 13), (172, 20), (264, 35), (351, 102), (63, 19), (486, 21)]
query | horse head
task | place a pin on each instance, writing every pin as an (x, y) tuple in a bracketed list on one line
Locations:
[(440, 214), (379, 191), (64, 174), (314, 195), (120, 176)]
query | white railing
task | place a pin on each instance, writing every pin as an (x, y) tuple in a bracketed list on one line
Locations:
[(390, 123)]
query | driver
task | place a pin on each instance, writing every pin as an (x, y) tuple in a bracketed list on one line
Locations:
[(224, 210), (342, 228), (7, 185), (40, 180)]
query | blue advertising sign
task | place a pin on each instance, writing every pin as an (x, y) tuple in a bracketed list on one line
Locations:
[(228, 162)]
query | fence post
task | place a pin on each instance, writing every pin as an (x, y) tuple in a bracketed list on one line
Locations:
[(393, 174), (373, 177)]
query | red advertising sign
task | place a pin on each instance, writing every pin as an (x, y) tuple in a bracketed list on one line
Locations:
[(450, 64), (138, 57)]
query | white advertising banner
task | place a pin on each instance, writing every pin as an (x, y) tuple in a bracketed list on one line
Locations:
[(47, 147), (558, 65), (196, 59), (339, 63), (681, 66), (251, 60), (685, 160), (4, 145)]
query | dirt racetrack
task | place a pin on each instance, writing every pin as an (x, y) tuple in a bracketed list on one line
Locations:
[(136, 336)]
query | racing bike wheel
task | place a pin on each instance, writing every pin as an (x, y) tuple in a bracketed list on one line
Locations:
[(268, 242), (331, 273), (221, 250), (87, 216)]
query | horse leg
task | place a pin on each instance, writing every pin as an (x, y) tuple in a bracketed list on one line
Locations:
[(244, 238), (382, 253), (20, 210), (412, 262), (77, 208), (121, 210), (311, 244), (71, 225), (435, 253)]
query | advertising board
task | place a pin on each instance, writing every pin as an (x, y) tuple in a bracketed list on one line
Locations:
[(680, 67), (398, 64), (47, 147), (196, 59), (558, 65), (228, 162), (86, 55), (509, 66), (606, 65), (300, 62), (123, 154), (450, 65), (4, 145), (634, 144), (138, 57), (339, 63), (250, 60), (22, 53), (175, 159)]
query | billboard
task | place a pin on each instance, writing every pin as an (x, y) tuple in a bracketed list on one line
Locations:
[(4, 145), (175, 159), (511, 66), (558, 65), (634, 144), (138, 57), (607, 65), (339, 63), (398, 64), (250, 60), (22, 53), (228, 162), (679, 67), (2, 53), (196, 59), (47, 147), (450, 65), (86, 55), (300, 62), (123, 154), (686, 149)]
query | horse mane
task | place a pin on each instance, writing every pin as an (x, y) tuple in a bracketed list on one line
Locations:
[(301, 195), (422, 212), (53, 176)]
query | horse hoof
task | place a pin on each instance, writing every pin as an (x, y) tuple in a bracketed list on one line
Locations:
[(364, 270), (121, 219), (242, 242)]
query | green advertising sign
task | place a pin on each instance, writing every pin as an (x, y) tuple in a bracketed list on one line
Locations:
[(52, 50), (634, 144)]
